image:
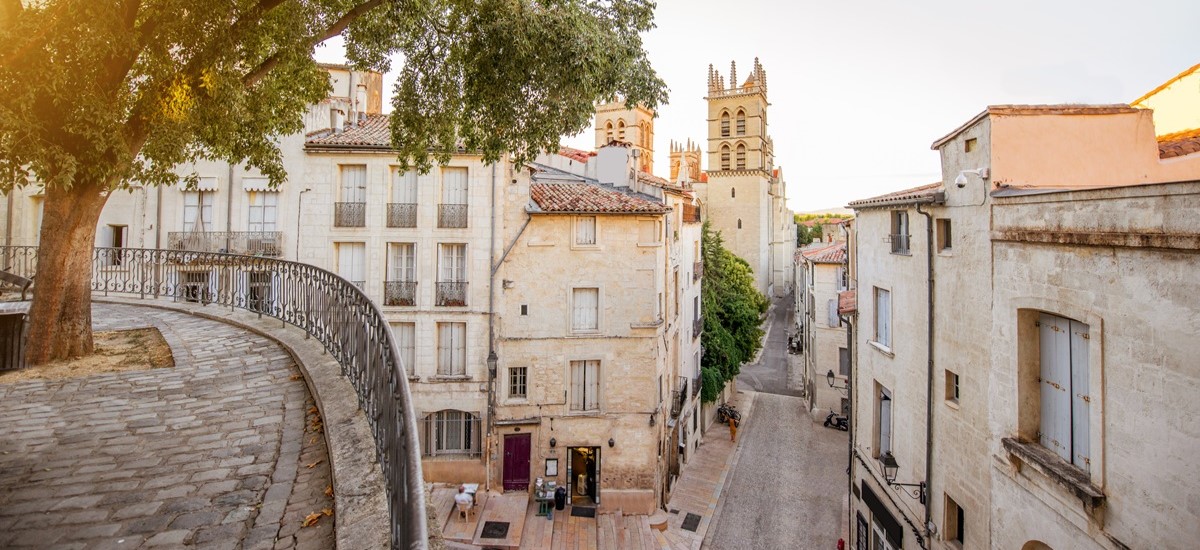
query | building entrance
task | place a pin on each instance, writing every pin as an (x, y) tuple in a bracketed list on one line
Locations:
[(583, 476)]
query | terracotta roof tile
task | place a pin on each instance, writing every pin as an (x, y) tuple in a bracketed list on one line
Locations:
[(590, 198), (847, 301), (575, 154), (373, 132), (826, 253), (1179, 144), (914, 194)]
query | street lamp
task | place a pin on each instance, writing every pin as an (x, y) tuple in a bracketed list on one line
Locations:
[(492, 359), (830, 378), (889, 474)]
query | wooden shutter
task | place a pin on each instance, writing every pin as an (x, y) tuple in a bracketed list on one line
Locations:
[(585, 230), (883, 316), (453, 263), (351, 260), (832, 309), (885, 423), (586, 303), (592, 381), (445, 348), (404, 187), (270, 210), (454, 186), (577, 370), (1055, 374), (406, 341), (402, 262), (1080, 400), (354, 183)]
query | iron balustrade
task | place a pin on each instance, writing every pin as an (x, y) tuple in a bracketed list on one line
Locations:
[(399, 293), (900, 244), (401, 214), (349, 214), (679, 396), (452, 215), (329, 308), (697, 326), (451, 293), (250, 243)]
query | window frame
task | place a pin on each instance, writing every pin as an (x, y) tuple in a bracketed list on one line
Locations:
[(457, 350), (883, 323), (884, 419), (901, 233), (574, 317), (579, 223), (584, 387), (945, 236), (953, 388), (518, 377)]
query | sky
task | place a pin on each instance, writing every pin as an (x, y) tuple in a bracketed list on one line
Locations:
[(859, 90)]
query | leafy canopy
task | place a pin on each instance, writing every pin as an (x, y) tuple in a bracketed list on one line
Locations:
[(733, 310), (111, 92)]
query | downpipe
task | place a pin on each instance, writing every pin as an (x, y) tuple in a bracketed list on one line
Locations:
[(929, 371)]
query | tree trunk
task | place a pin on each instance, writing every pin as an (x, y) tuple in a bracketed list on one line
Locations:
[(60, 324)]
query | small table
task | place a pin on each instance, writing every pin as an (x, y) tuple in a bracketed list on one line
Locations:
[(545, 502)]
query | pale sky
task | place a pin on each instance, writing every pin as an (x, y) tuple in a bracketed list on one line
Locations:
[(859, 90)]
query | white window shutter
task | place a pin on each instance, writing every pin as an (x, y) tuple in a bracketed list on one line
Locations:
[(832, 308), (577, 369), (592, 378), (406, 340), (270, 210), (460, 348), (1055, 373), (445, 347), (885, 424), (454, 186), (1080, 399), (404, 187), (354, 183), (585, 230), (586, 304)]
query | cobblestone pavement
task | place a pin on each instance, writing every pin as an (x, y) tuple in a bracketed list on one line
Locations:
[(770, 372), (212, 453)]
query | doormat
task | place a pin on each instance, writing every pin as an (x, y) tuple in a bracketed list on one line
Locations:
[(691, 522), (581, 512), (494, 530)]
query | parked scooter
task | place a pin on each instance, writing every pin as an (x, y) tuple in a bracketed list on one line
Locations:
[(836, 421)]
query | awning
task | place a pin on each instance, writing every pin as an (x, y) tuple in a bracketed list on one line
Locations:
[(203, 183), (258, 184)]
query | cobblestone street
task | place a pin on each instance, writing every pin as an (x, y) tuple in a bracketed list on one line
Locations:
[(215, 452)]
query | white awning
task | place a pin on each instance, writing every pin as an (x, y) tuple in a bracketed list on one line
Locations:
[(258, 184), (204, 183)]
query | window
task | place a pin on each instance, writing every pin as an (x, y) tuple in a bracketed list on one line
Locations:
[(260, 287), (844, 362), (197, 211), (955, 524), (741, 122), (724, 124), (831, 309), (585, 230), (452, 212), (406, 340), (517, 378), (452, 349), (608, 132), (725, 157), (733, 192), (404, 186), (944, 238), (402, 262), (585, 309), (739, 223), (354, 183), (900, 235), (621, 130), (264, 209), (951, 386), (451, 432), (352, 262), (841, 278), (883, 416), (741, 157), (883, 317), (585, 385), (971, 145), (1065, 401), (649, 231), (452, 275)]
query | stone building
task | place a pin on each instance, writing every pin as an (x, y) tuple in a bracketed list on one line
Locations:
[(821, 274), (1174, 103), (745, 194), (1005, 340)]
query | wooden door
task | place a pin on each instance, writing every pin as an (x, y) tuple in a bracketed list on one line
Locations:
[(516, 462)]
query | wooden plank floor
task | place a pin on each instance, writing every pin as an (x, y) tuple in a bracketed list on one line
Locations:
[(506, 507), (457, 529)]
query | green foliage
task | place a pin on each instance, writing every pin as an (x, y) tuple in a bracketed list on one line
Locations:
[(806, 235), (733, 308), (108, 93), (711, 384)]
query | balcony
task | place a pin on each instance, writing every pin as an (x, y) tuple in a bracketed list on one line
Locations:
[(679, 396), (401, 214), (900, 244), (452, 215), (697, 271), (399, 293), (452, 293), (250, 243), (697, 327), (349, 214)]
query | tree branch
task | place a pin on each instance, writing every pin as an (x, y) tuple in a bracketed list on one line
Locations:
[(338, 27)]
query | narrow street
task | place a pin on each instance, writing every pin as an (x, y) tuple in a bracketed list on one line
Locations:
[(788, 486)]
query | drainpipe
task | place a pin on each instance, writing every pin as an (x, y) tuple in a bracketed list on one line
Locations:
[(492, 359), (8, 223), (850, 391), (929, 367)]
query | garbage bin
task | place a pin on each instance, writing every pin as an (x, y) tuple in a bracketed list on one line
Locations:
[(560, 498)]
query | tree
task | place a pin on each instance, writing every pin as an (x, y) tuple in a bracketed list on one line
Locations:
[(733, 310), (95, 96)]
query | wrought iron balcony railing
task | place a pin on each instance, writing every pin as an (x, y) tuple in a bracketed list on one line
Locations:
[(451, 293), (349, 214), (900, 244), (331, 309), (697, 327), (399, 293), (402, 214), (679, 396), (452, 215), (250, 243)]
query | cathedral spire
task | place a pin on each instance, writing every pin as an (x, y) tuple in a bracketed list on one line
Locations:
[(732, 73)]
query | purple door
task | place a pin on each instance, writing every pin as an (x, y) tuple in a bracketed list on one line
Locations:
[(516, 462)]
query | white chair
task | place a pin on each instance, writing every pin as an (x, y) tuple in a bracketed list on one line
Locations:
[(465, 510)]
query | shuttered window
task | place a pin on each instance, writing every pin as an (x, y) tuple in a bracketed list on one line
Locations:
[(649, 231), (885, 421), (402, 262), (585, 385), (832, 309), (585, 230), (197, 211), (263, 211), (406, 340), (452, 349), (404, 187), (454, 186), (1063, 370), (354, 183), (352, 258), (883, 317), (585, 314), (452, 263)]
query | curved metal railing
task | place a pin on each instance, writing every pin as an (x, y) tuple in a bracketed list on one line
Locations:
[(331, 309)]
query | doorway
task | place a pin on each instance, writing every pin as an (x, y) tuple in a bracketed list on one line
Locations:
[(583, 475), (117, 243), (516, 462)]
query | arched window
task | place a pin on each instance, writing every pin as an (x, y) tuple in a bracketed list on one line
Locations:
[(733, 192), (741, 156), (451, 432), (725, 157), (621, 130), (608, 134), (741, 122), (724, 124), (739, 223)]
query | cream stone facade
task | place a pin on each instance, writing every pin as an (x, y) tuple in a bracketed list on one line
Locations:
[(635, 126), (821, 275), (1041, 210), (745, 194)]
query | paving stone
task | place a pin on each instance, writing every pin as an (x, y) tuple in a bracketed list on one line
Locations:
[(169, 538), (149, 524), (137, 510)]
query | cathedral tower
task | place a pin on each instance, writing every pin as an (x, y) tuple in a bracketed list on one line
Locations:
[(615, 122), (689, 152)]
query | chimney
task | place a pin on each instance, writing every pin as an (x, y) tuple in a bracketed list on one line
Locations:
[(615, 165), (336, 120), (360, 100)]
